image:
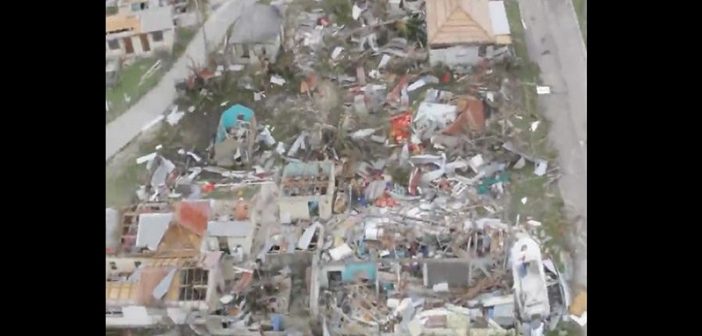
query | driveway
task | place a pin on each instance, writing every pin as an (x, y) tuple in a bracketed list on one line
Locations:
[(554, 42), (125, 128)]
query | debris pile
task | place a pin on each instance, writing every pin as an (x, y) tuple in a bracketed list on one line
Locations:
[(392, 202)]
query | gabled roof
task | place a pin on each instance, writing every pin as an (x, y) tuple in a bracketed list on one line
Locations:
[(466, 21), (258, 24)]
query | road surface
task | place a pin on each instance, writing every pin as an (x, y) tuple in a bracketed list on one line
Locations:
[(554, 42), (126, 127)]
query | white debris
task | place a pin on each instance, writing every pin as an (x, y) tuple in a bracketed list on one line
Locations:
[(441, 287), (363, 133), (541, 167), (524, 200), (384, 61), (337, 51), (191, 109), (534, 125), (277, 80), (236, 67), (145, 158), (534, 223), (520, 164), (174, 117), (416, 85), (582, 320), (341, 252), (356, 12), (476, 162), (543, 90), (281, 148)]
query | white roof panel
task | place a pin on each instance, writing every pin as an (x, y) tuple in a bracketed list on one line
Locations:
[(152, 226)]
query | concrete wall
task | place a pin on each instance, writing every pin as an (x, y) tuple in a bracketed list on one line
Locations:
[(298, 208), (275, 261), (458, 55), (166, 44)]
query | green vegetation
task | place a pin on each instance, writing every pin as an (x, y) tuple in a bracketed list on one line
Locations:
[(543, 200), (341, 10), (130, 75), (128, 84), (182, 39), (581, 12), (121, 186)]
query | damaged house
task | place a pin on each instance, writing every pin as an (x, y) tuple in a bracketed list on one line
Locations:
[(145, 292), (307, 190), (256, 35), (140, 33), (463, 32), (230, 236)]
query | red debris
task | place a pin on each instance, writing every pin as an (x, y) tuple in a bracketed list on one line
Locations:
[(446, 78), (385, 201), (400, 127), (471, 117), (193, 215)]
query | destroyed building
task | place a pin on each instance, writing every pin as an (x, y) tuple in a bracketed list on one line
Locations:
[(463, 32), (307, 190), (139, 33), (257, 35), (143, 292), (403, 229)]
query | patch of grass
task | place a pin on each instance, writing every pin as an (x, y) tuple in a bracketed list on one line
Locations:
[(129, 76), (112, 10), (543, 199), (128, 84), (121, 186), (581, 12), (341, 10)]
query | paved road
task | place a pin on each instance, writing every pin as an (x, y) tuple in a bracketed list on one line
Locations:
[(555, 43), (125, 128)]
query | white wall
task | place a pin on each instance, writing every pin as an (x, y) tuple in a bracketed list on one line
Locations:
[(458, 55), (165, 44), (135, 316)]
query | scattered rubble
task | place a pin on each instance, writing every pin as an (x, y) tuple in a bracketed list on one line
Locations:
[(389, 211)]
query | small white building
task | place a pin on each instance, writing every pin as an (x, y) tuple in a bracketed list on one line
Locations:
[(463, 32), (139, 33), (145, 292), (256, 35)]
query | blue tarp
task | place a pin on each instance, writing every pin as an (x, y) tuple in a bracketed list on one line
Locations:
[(230, 117), (277, 322), (364, 270)]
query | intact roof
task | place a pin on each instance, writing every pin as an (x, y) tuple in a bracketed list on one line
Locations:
[(258, 23), (466, 21)]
